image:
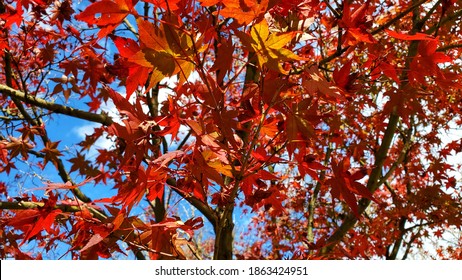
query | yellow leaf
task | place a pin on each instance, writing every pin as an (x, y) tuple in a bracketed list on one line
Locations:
[(278, 41), (269, 47), (260, 32)]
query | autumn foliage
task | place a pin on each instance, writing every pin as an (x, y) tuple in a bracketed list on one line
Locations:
[(237, 129)]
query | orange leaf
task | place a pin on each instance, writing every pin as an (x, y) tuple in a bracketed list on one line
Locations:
[(208, 3), (244, 11), (151, 36)]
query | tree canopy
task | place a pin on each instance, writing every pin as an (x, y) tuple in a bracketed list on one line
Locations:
[(232, 129)]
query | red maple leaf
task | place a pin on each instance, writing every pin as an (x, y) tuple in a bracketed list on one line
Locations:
[(107, 14), (345, 186)]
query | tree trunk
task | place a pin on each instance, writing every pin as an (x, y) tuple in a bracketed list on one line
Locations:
[(224, 236)]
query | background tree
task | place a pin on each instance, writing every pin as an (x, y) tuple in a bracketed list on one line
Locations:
[(292, 129)]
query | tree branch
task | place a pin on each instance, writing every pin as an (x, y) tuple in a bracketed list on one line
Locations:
[(102, 118), (24, 205), (455, 15), (314, 197), (449, 47), (201, 206), (381, 155), (379, 29), (397, 17), (401, 157), (399, 240), (372, 184)]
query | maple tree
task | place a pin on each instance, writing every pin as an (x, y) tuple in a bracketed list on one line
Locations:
[(292, 129)]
